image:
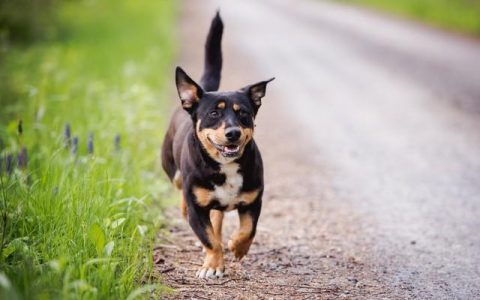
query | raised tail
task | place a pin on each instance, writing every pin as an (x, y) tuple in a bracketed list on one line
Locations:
[(213, 56)]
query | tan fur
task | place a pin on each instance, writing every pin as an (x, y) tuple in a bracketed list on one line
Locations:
[(221, 105), (214, 256), (203, 196), (236, 107), (248, 197), (247, 135), (240, 241), (177, 180), (217, 136), (216, 217), (183, 207)]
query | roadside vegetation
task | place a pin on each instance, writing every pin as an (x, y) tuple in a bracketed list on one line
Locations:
[(458, 15), (82, 110)]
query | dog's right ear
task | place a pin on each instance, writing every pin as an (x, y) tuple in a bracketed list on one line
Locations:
[(188, 90), (256, 92)]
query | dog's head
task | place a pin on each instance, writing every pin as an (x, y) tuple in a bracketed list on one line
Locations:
[(224, 121)]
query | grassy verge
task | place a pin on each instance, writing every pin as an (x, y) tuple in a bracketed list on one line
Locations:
[(79, 193), (458, 15)]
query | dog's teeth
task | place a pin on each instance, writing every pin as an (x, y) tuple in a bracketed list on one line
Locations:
[(230, 150)]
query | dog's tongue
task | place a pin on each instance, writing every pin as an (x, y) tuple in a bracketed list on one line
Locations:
[(230, 148)]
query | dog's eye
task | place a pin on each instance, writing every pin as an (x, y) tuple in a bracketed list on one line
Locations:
[(214, 114), (243, 114)]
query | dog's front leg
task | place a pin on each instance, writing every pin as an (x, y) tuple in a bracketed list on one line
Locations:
[(242, 238), (199, 219)]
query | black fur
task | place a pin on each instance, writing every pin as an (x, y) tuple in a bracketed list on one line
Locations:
[(213, 56), (186, 152)]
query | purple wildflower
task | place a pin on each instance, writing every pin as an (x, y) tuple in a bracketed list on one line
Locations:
[(75, 145), (90, 143), (67, 134), (22, 160), (117, 142), (9, 164)]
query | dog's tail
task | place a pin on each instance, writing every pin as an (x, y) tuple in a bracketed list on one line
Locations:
[(213, 56)]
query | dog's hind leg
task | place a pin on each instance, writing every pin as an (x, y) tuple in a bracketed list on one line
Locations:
[(183, 207), (178, 182), (168, 162)]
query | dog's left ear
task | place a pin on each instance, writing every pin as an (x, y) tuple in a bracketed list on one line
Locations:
[(256, 92), (188, 90)]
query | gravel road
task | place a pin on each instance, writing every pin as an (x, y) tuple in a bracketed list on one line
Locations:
[(371, 141)]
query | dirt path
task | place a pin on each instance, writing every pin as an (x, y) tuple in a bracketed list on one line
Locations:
[(371, 156), (306, 242), (296, 253), (305, 246)]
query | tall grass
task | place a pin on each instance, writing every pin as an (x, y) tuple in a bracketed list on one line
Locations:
[(79, 212), (459, 15)]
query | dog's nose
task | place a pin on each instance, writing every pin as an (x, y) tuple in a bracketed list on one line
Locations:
[(233, 134)]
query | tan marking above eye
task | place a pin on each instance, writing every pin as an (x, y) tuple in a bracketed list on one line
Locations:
[(221, 105), (236, 107)]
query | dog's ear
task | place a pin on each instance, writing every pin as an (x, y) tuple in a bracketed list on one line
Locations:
[(256, 92), (188, 90)]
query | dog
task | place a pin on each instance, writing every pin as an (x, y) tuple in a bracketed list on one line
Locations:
[(210, 155)]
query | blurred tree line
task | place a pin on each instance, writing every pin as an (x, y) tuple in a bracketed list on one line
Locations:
[(22, 23), (25, 21)]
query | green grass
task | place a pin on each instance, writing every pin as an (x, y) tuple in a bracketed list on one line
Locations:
[(458, 15), (82, 225)]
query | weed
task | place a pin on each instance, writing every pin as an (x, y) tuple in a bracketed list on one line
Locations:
[(79, 213)]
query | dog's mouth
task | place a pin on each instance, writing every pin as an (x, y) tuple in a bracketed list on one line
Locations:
[(228, 150)]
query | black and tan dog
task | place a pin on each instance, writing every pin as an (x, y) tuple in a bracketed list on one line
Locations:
[(209, 153)]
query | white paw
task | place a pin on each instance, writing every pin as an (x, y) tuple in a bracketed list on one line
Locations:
[(210, 273)]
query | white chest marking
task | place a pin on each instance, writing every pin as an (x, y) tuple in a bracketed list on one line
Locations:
[(227, 194)]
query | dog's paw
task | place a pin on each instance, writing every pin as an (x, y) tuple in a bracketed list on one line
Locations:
[(213, 265), (211, 273), (239, 247)]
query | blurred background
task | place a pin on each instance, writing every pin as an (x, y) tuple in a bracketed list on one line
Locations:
[(369, 135)]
